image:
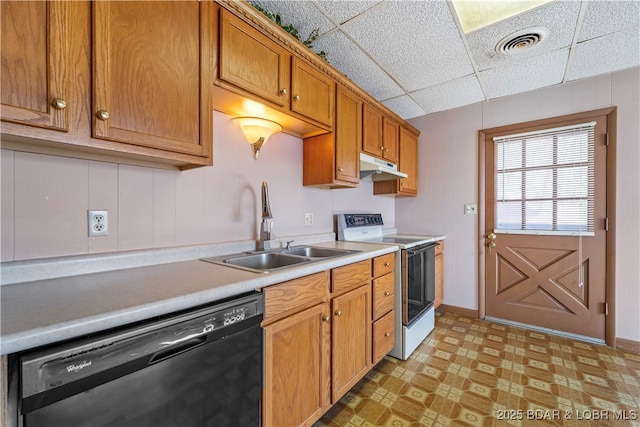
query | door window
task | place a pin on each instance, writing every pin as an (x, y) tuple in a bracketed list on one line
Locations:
[(545, 181)]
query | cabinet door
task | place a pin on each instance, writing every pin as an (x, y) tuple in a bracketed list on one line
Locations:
[(408, 162), (35, 63), (151, 82), (371, 130), (348, 130), (312, 92), (297, 371), (390, 135), (351, 339), (251, 61)]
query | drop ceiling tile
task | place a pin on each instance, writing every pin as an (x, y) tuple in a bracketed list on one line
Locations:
[(352, 62), (303, 15), (452, 94), (606, 17), (606, 54), (416, 40), (342, 10), (560, 18), (404, 107), (522, 76)]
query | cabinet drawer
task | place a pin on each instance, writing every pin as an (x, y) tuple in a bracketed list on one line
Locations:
[(383, 337), (293, 296), (383, 264), (350, 276), (440, 247), (383, 295)]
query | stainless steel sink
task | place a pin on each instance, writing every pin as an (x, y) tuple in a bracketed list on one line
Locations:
[(264, 262), (317, 252)]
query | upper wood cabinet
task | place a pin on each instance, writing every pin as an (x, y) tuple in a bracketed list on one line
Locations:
[(312, 92), (379, 134), (408, 163), (332, 160), (390, 135), (264, 70), (131, 83), (35, 63), (252, 61), (148, 63), (371, 130)]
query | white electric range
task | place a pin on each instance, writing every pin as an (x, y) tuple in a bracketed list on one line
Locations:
[(414, 313)]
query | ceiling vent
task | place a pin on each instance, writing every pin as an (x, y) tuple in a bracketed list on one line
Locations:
[(522, 40)]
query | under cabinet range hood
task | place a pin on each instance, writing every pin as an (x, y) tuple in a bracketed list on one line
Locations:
[(374, 169)]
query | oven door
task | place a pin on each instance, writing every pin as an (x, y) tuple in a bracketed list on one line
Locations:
[(418, 281)]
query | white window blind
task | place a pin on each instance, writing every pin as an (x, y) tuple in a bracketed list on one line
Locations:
[(544, 181)]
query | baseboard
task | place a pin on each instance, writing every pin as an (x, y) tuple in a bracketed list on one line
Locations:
[(629, 346), (458, 310)]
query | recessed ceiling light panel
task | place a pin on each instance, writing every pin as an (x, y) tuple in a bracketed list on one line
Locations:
[(522, 40)]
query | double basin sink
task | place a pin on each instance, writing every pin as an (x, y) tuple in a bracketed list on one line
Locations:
[(266, 261)]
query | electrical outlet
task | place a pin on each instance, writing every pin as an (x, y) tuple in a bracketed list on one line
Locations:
[(308, 219), (98, 223), (471, 209)]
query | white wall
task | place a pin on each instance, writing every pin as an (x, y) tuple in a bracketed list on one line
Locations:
[(448, 165), (45, 199)]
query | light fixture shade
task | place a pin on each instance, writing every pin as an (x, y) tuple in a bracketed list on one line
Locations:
[(257, 131)]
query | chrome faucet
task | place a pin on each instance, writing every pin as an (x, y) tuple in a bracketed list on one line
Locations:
[(267, 236)]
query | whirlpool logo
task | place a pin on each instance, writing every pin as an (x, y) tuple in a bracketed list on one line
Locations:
[(78, 367)]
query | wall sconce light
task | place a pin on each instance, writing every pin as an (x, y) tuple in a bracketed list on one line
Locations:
[(257, 131)]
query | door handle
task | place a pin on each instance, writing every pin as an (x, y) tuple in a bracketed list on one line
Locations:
[(491, 236), (491, 245)]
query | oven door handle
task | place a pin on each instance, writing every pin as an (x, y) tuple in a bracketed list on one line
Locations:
[(421, 249)]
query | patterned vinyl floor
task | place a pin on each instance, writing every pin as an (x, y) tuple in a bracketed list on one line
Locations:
[(471, 372)]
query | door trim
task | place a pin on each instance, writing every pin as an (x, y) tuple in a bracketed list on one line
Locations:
[(611, 113)]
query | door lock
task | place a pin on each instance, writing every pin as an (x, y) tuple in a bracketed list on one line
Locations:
[(491, 245), (491, 236)]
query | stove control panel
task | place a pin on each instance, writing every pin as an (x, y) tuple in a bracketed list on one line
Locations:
[(362, 220)]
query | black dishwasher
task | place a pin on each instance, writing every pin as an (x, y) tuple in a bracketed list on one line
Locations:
[(200, 368)]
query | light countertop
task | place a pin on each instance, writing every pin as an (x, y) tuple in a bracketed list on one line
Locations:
[(42, 312)]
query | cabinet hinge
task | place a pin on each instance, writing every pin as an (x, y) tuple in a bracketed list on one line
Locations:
[(606, 308), (606, 224)]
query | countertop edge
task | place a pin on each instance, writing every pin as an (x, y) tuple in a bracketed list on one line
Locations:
[(53, 332)]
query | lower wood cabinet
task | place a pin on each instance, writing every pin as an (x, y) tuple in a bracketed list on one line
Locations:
[(323, 333), (297, 340), (350, 339), (439, 294), (383, 337), (297, 368)]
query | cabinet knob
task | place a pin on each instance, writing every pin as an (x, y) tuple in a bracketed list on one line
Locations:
[(296, 98), (103, 114), (325, 318), (387, 264), (387, 293), (341, 169), (387, 334), (59, 104), (338, 313), (283, 91), (401, 184)]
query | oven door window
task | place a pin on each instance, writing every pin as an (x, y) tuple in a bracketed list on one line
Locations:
[(420, 279)]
